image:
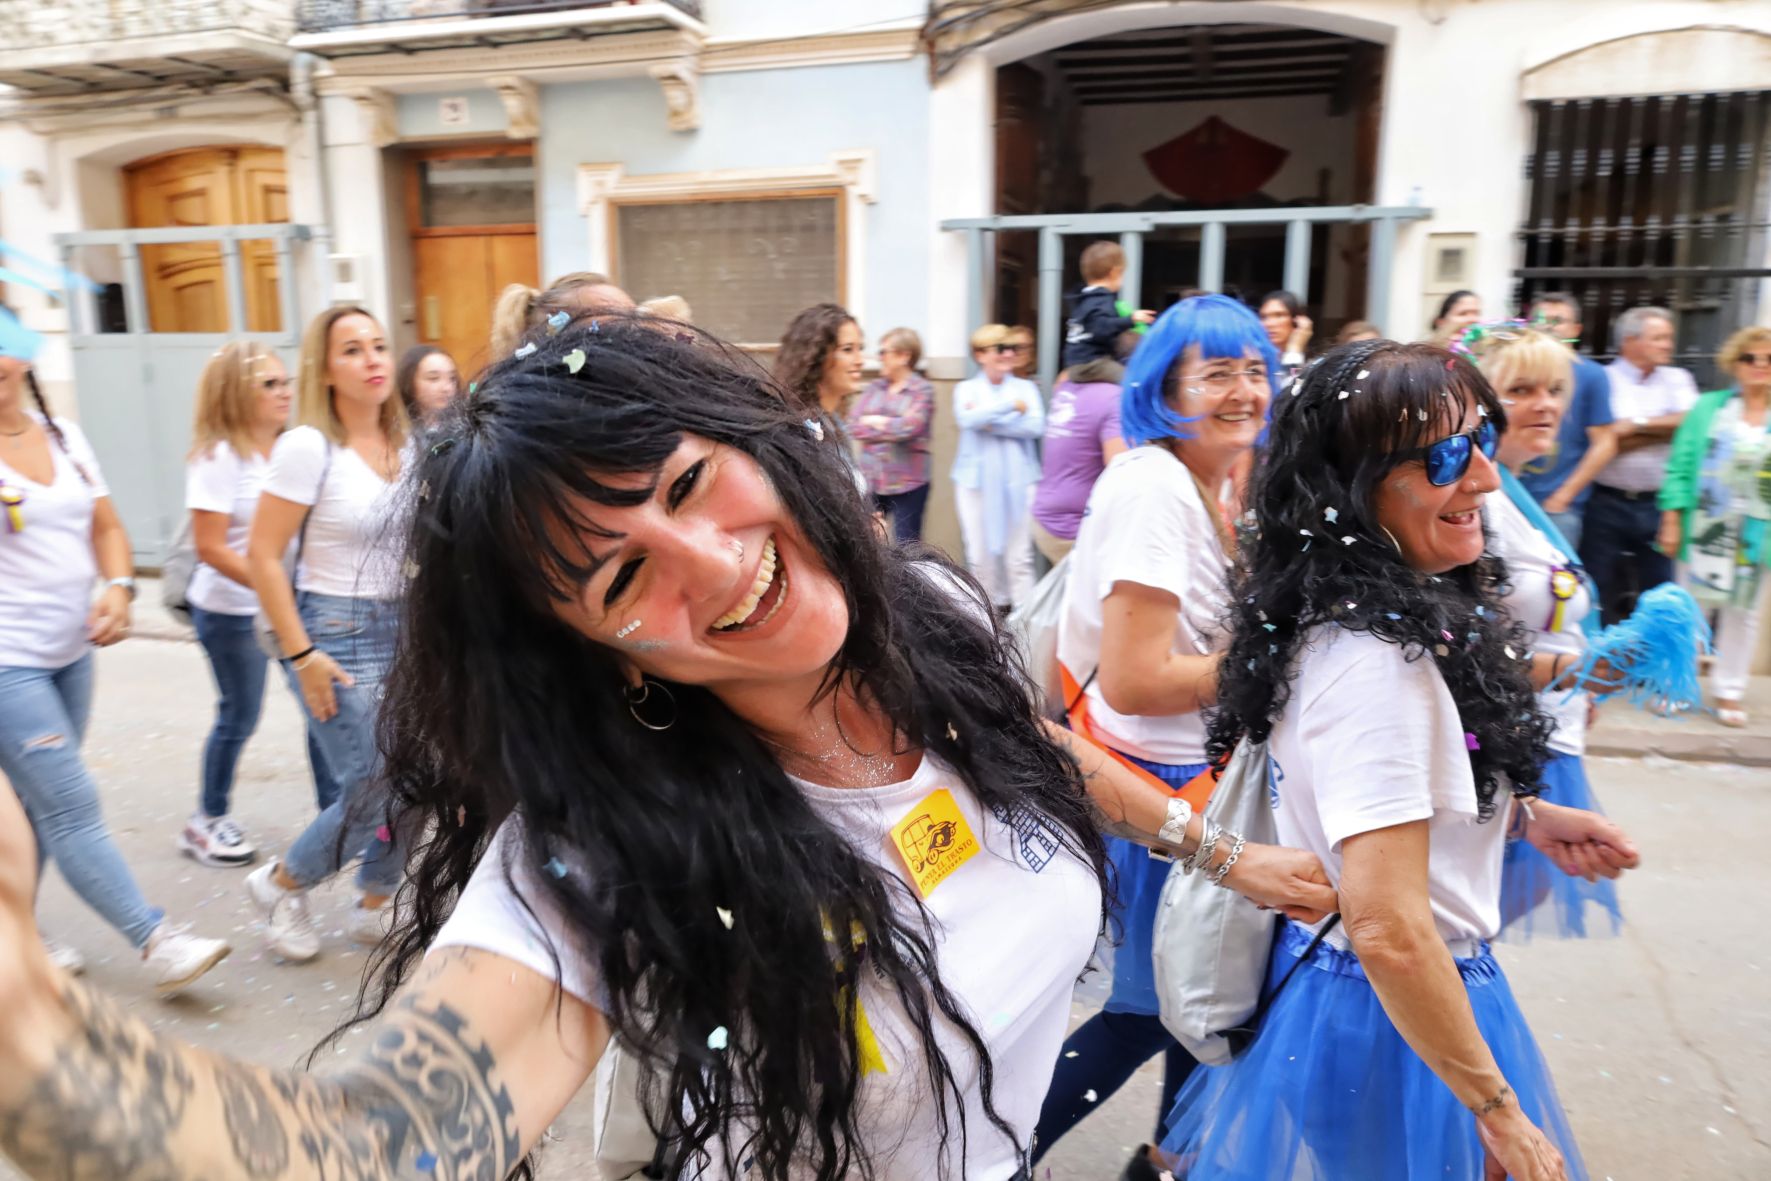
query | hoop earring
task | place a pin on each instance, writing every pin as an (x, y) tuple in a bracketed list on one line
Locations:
[(1392, 538), (638, 696)]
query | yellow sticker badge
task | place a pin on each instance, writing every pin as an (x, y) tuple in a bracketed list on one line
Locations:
[(934, 840)]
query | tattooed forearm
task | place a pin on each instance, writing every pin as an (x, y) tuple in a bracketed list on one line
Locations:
[(121, 1103)]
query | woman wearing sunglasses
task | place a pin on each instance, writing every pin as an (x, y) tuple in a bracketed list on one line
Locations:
[(1549, 594), (1001, 418), (1716, 510), (1371, 650), (243, 401)]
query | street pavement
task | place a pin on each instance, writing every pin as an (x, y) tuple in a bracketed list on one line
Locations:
[(1660, 1039)]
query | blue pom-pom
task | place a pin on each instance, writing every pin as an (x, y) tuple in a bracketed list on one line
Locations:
[(1653, 653)]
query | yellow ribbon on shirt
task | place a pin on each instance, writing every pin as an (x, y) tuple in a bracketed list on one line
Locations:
[(12, 499), (1564, 582)]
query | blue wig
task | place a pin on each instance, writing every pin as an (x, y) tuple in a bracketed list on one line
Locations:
[(1219, 327)]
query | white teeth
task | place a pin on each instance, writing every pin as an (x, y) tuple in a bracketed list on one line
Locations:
[(765, 575)]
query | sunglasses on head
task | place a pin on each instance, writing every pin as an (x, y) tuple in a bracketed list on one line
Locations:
[(1449, 458)]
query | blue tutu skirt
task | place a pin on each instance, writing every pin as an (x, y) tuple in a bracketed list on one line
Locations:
[(1138, 879), (1329, 1091), (1538, 898)]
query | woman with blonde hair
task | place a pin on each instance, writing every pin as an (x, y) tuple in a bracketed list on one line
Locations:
[(1548, 592), (333, 491), (1716, 509), (521, 309), (1001, 418), (243, 402)]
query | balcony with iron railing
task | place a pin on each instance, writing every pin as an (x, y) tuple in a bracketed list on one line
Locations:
[(82, 46), (327, 16)]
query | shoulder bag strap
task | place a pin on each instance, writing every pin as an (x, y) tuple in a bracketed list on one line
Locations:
[(319, 490)]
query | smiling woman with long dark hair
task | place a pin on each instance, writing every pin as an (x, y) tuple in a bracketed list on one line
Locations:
[(1371, 651), (703, 764)]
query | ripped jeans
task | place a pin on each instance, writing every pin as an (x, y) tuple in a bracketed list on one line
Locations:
[(43, 714), (359, 634)]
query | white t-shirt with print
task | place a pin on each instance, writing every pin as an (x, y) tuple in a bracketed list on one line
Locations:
[(354, 529), (47, 567), (1145, 523), (1015, 924), (222, 482), (1532, 562), (1369, 740)]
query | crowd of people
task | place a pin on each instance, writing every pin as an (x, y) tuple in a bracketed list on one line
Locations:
[(662, 748)]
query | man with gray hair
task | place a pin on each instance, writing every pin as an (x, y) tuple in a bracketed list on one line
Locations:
[(1649, 398)]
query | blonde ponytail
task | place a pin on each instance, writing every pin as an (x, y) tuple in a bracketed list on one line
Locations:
[(510, 318)]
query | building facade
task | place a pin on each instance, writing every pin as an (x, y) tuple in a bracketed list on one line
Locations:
[(756, 157)]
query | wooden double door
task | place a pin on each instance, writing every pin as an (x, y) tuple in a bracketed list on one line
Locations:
[(471, 214), (221, 186)]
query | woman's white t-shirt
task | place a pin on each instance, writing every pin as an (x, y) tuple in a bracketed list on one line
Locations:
[(47, 566), (1370, 739), (352, 547), (1536, 569), (1145, 523), (1015, 923), (222, 482)]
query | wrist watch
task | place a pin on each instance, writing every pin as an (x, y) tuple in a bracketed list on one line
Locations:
[(127, 584)]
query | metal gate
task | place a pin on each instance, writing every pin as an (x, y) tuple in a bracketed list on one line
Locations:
[(137, 388), (1661, 199), (1299, 225)]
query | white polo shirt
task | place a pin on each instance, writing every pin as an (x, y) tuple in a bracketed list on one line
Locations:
[(1635, 394)]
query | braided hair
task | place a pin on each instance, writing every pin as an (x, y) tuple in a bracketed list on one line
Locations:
[(53, 427), (1316, 555)]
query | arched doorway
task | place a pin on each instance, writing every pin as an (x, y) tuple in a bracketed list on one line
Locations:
[(1259, 117), (209, 186)]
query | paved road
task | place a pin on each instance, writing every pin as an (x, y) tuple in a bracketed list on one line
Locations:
[(1660, 1039)]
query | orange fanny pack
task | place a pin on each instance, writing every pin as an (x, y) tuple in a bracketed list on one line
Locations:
[(1196, 791)]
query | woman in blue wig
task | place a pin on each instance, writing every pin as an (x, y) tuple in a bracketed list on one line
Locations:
[(1140, 634), (1548, 592)]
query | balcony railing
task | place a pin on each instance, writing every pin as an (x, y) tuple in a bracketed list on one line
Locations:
[(34, 24), (331, 16)]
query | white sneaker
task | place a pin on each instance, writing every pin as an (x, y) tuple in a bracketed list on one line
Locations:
[(66, 958), (369, 927), (216, 840), (291, 928), (176, 957)]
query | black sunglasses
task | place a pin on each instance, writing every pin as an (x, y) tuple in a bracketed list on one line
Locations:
[(1449, 458)]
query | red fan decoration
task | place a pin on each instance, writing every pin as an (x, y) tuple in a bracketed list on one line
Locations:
[(1214, 163)]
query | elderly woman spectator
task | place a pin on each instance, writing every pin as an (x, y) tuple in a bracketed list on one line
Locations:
[(1371, 652), (890, 421), (1001, 418), (1716, 510)]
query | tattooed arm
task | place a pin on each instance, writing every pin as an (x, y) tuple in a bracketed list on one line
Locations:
[(463, 1074)]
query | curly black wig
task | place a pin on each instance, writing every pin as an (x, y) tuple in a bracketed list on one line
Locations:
[(495, 705), (1330, 445)]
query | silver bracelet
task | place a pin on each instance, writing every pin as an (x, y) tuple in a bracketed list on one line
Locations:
[(1208, 840), (1223, 871), (1174, 827)]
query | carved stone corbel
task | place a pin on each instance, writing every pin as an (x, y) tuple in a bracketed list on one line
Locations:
[(379, 113), (682, 94), (522, 105)]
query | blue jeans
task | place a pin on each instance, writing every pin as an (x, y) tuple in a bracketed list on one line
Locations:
[(905, 510), (1569, 523), (238, 665), (1617, 548), (42, 722), (359, 634)]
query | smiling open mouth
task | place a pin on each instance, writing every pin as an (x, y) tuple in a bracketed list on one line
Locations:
[(767, 592), (1462, 520)]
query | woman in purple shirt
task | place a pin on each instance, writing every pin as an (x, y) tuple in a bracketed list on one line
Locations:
[(890, 420), (1081, 435)]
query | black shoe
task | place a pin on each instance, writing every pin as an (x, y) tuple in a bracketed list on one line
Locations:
[(1141, 1168)]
